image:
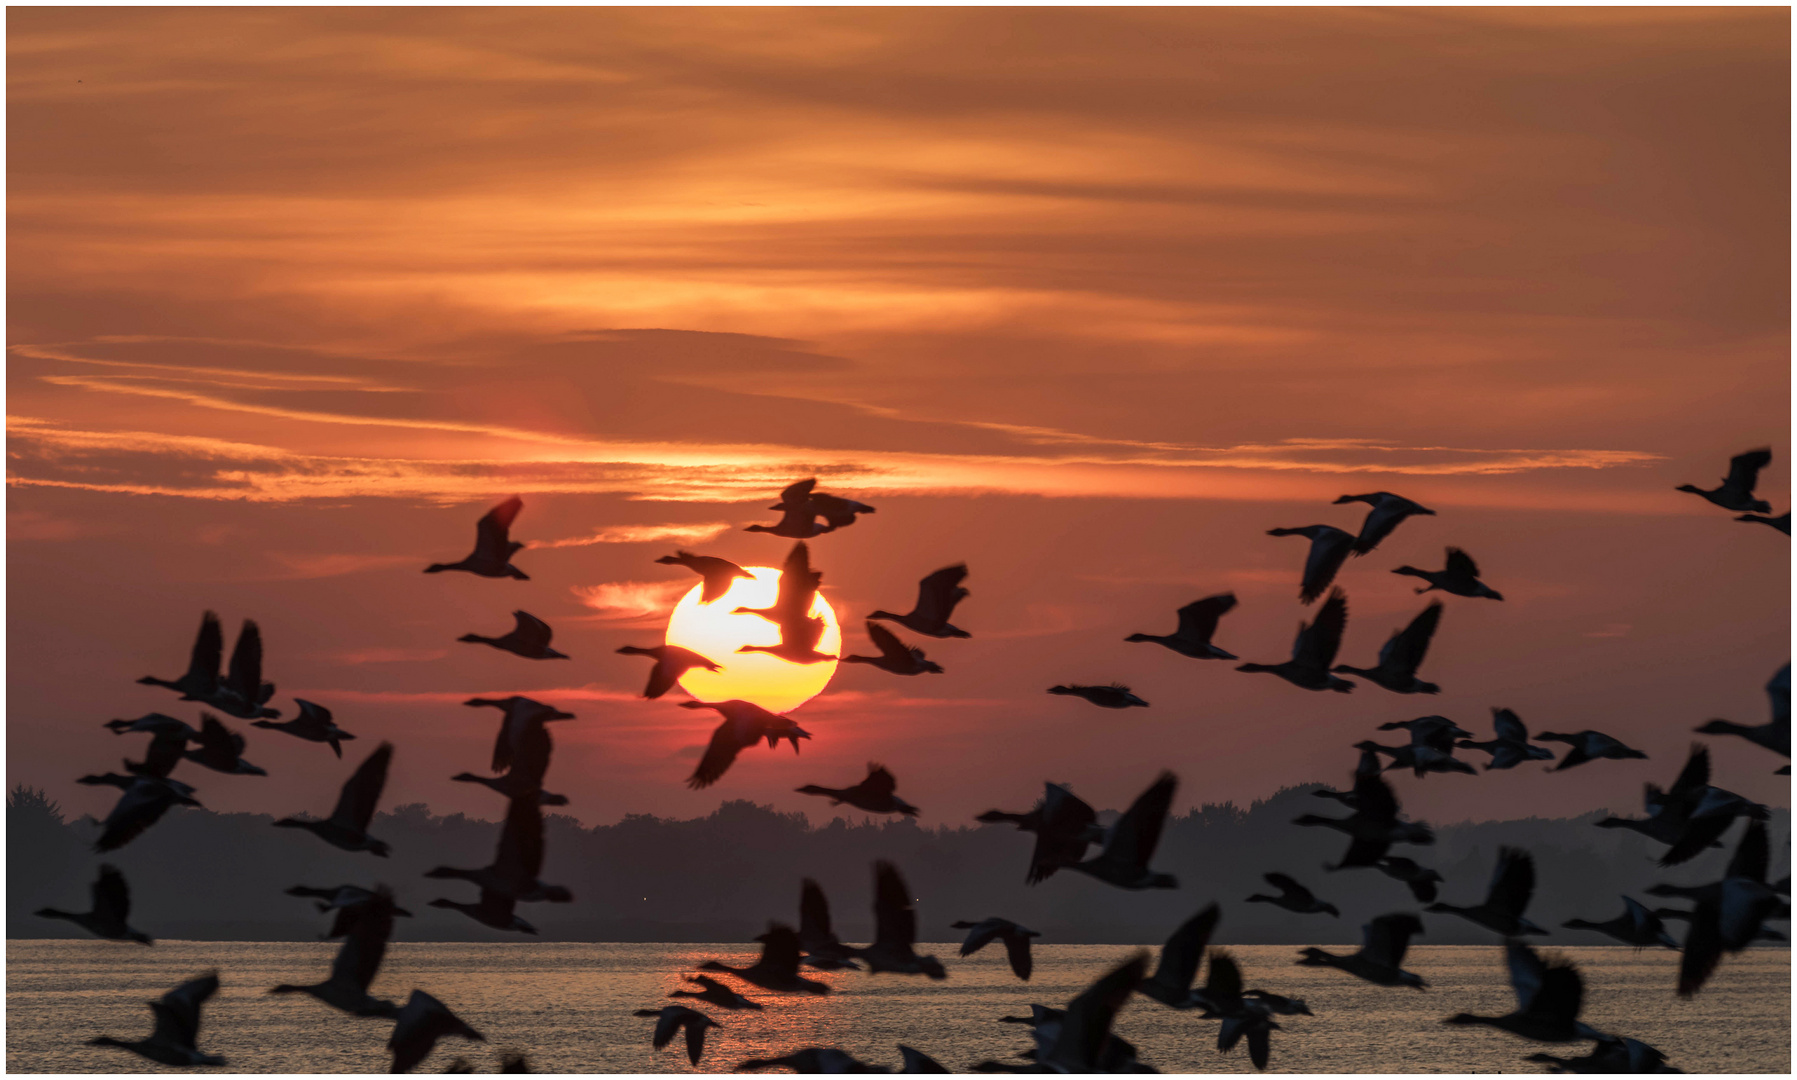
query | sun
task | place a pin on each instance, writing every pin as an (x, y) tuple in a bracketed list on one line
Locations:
[(712, 631)]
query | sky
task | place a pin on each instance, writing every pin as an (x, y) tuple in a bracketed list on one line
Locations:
[(1087, 299)]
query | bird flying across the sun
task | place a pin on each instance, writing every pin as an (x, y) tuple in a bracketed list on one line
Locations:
[(1314, 650), (1387, 511), (1293, 897), (671, 662), (895, 656), (140, 806), (1460, 577), (1510, 745), (313, 724), (111, 914), (875, 794), (895, 929), (1401, 655), (1636, 926), (804, 497), (347, 827), (1512, 886), (1114, 696), (1016, 940), (1197, 623), (1171, 983), (1329, 547), (745, 724), (529, 638), (420, 1024), (937, 596), (1064, 825), (717, 574), (1774, 735), (669, 1019), (1549, 994), (1130, 847), (513, 872), (1736, 490), (800, 631), (777, 968), (358, 960), (799, 515), (521, 714), (1589, 745), (493, 545), (1381, 957), (177, 1032)]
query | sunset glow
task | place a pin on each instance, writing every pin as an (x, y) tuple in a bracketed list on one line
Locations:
[(715, 632)]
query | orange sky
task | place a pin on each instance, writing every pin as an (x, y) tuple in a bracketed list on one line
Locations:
[(1088, 298)]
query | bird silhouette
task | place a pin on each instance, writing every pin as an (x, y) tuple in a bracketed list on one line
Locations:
[(916, 1061), (492, 909), (347, 901), (313, 724), (800, 631), (834, 509), (1329, 547), (1114, 696), (530, 754), (370, 924), (111, 914), (1387, 511), (812, 1059), (1421, 880), (895, 656), (493, 545), (1460, 577), (671, 662), (1197, 624), (1588, 746), (1612, 1054), (1314, 650), (1293, 897), (242, 693), (799, 515), (895, 929), (1636, 926), (1401, 655), (1728, 913), (1736, 490), (522, 715), (421, 1022), (717, 575), (1692, 815), (1510, 745), (1420, 758), (518, 861), (1774, 735), (528, 638), (745, 724), (1171, 983), (221, 749), (139, 807), (777, 968), (1549, 994), (1374, 825), (1016, 941), (347, 827), (937, 596), (823, 949), (875, 793), (1064, 825), (669, 1019), (1124, 860), (200, 680), (715, 993), (1512, 885), (1080, 1039), (176, 1035), (1222, 999), (1381, 957)]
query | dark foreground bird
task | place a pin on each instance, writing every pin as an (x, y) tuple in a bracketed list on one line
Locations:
[(778, 967), (173, 1042), (1401, 655), (1374, 825), (493, 545), (838, 511), (1293, 897), (1691, 815), (1729, 912), (745, 724), (516, 863), (895, 929), (1736, 490), (1082, 1037), (1775, 735), (347, 827), (1314, 651), (916, 1061), (1387, 511), (1016, 940), (1124, 860), (669, 1019), (1421, 879), (718, 574), (1611, 1055), (221, 749), (1509, 745), (823, 949), (530, 755), (529, 638), (1222, 999), (141, 806), (715, 993), (1589, 746), (521, 715), (937, 596), (1419, 757), (1636, 926), (420, 1024), (492, 909), (313, 724), (876, 793), (1114, 696), (1512, 886), (791, 611), (1549, 994), (1171, 983), (671, 662), (348, 901), (1064, 825), (1381, 956), (1197, 624), (201, 678), (358, 960), (1460, 577), (110, 917), (895, 656), (1329, 547)]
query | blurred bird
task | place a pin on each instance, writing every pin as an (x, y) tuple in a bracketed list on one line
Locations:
[(347, 827), (895, 656), (1636, 926), (1736, 491), (1016, 940), (1512, 886), (1691, 815), (1588, 746), (778, 967), (420, 1024), (800, 630), (1278, 1004), (141, 806), (1314, 650), (1368, 765), (1329, 547), (1080, 1039), (1681, 915), (241, 692), (358, 960), (529, 762), (717, 575), (823, 949), (1373, 826), (313, 724), (1460, 577), (529, 638), (937, 596), (110, 917), (521, 716), (201, 678), (177, 1031), (1387, 511), (1610, 1055), (895, 929), (1548, 997), (1401, 655), (1419, 757), (1197, 624), (835, 509), (875, 794), (916, 1061), (168, 748), (1293, 897), (348, 901), (671, 662), (518, 861), (1729, 912), (221, 749), (493, 545), (1064, 825), (1421, 879), (1510, 745), (745, 724), (716, 993), (669, 1019), (1114, 696), (492, 909), (1171, 983), (1124, 860), (1222, 999), (1782, 522), (1381, 956), (1775, 735)]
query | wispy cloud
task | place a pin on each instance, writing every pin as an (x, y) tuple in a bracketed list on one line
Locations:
[(642, 534), (632, 601), (336, 565)]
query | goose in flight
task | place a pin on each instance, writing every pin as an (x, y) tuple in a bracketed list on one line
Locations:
[(1387, 511), (669, 1019), (347, 901), (493, 545), (110, 917), (1549, 994), (154, 723), (1293, 897), (141, 806), (1611, 1055), (1681, 915), (242, 693), (778, 967), (895, 656), (838, 511), (420, 1024), (1774, 735), (1636, 926), (1512, 886), (1314, 650), (1381, 956), (1368, 765), (671, 662), (1510, 745), (812, 1059), (513, 873), (123, 781), (1434, 731), (529, 762), (1589, 746), (1736, 491), (1222, 999), (521, 716), (1197, 624), (358, 960), (313, 724), (1124, 860), (201, 678), (1171, 983), (173, 1042), (937, 596), (1420, 758), (745, 724), (491, 910), (347, 827), (716, 993), (167, 749), (717, 575), (1782, 522), (800, 631), (1460, 577), (895, 929), (798, 515), (1082, 1041), (1401, 655), (874, 794), (529, 638), (823, 949), (1373, 826), (1016, 940), (1329, 547), (1421, 879), (221, 749), (1729, 912), (1114, 696), (1690, 816), (1064, 825)]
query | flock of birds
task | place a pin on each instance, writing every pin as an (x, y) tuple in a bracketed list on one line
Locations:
[(1689, 817)]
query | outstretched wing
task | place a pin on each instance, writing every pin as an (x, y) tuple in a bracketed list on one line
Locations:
[(1388, 937), (938, 594), (1695, 775), (208, 648), (1373, 798), (1290, 886), (1087, 1022), (1562, 991), (520, 855), (895, 921), (814, 913), (178, 1013), (1327, 553), (780, 951), (1513, 881), (888, 643), (532, 633), (1322, 639), (1198, 620), (355, 806), (1460, 564), (1181, 954), (720, 754), (1138, 831), (796, 494), (1753, 856), (112, 897), (1406, 649), (1509, 726), (1744, 470), (879, 784), (492, 535), (246, 664)]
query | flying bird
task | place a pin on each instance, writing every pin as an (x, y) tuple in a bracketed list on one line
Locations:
[(1691, 815), (895, 929), (521, 716), (800, 631), (745, 724), (1197, 624), (313, 724), (370, 924), (838, 511), (1729, 912), (823, 949), (937, 596), (513, 872), (1314, 650), (1588, 746), (1401, 655), (1114, 696), (1374, 825), (221, 749), (1171, 983), (174, 1040), (916, 1061), (1064, 825), (1420, 879), (1222, 999), (347, 827), (1329, 547), (716, 993), (669, 1019), (529, 638), (1774, 735), (717, 575), (530, 754), (493, 545), (1420, 758), (1510, 745), (141, 806), (1549, 994), (420, 1024), (1293, 897), (1736, 491), (1636, 926), (1124, 860), (492, 909), (778, 967), (895, 656), (110, 917), (1381, 956), (1016, 941), (1612, 1054), (240, 693), (201, 678), (1387, 511), (347, 901), (671, 662), (875, 793), (1460, 577), (798, 518), (1512, 886), (1082, 1036)]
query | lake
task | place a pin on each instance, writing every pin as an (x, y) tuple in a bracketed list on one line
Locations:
[(568, 1006)]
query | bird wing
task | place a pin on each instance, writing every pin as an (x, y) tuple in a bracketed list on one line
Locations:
[(938, 594), (1702, 948), (1321, 640), (1183, 951), (208, 649), (798, 585), (112, 897), (1779, 690), (1405, 650), (1562, 991), (1327, 553), (246, 664), (492, 535), (1137, 832), (780, 951), (520, 855), (1198, 620), (359, 958), (1753, 855), (888, 643), (1086, 1024), (1017, 951), (1744, 470), (695, 1035), (1508, 726), (1374, 799), (1388, 936), (1460, 564), (1695, 776), (1289, 886), (1527, 973), (178, 1012), (667, 1023), (1063, 811), (1512, 882), (814, 913), (530, 758), (895, 921), (531, 633), (720, 754), (981, 935), (214, 738), (355, 806), (880, 784), (797, 494), (166, 748), (1223, 986)]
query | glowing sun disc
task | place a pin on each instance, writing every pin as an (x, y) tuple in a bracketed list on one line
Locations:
[(712, 631)]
